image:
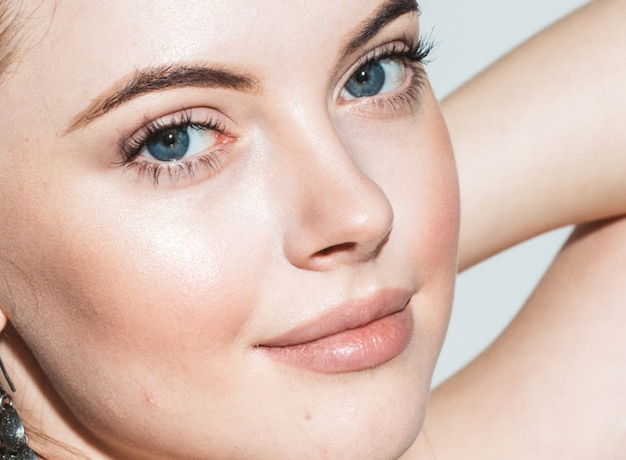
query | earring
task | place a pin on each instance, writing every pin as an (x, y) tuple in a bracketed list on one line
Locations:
[(13, 439)]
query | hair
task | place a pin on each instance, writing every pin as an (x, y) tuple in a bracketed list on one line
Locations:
[(8, 36)]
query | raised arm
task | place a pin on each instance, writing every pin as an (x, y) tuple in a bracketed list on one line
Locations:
[(540, 136), (553, 385)]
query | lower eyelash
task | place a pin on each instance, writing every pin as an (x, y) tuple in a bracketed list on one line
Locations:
[(410, 96), (176, 171)]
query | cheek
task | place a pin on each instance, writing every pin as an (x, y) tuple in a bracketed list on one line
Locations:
[(430, 206), (430, 198), (126, 300), (179, 279)]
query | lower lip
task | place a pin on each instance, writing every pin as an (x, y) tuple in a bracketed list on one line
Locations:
[(352, 350)]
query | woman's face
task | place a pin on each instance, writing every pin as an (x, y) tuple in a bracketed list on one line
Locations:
[(197, 201)]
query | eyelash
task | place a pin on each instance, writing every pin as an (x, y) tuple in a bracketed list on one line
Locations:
[(410, 53)]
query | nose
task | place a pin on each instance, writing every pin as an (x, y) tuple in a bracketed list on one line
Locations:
[(339, 215)]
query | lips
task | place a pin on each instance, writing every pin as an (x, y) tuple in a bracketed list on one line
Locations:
[(350, 337)]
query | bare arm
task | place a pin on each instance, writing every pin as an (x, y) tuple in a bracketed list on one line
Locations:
[(540, 136), (554, 384)]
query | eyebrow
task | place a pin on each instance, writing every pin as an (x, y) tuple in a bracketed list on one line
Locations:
[(153, 79), (387, 12)]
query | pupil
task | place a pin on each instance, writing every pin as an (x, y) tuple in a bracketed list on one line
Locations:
[(362, 77), (170, 138)]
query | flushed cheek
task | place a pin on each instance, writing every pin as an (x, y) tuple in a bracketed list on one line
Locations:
[(435, 198)]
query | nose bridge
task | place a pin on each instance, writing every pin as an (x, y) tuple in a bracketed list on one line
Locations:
[(339, 214)]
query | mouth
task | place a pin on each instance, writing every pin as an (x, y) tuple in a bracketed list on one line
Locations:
[(350, 337)]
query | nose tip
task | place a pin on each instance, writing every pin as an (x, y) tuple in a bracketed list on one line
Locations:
[(343, 222)]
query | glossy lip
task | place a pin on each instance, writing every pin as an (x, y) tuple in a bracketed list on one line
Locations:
[(352, 336)]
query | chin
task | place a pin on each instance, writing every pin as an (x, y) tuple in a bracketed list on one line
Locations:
[(375, 413)]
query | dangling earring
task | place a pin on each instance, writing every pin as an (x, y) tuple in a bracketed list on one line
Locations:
[(13, 440)]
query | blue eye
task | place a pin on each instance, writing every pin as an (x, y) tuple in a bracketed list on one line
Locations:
[(375, 77), (175, 143)]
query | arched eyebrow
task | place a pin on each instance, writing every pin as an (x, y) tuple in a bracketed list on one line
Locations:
[(160, 78)]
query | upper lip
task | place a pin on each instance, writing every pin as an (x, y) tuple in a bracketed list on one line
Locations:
[(345, 316)]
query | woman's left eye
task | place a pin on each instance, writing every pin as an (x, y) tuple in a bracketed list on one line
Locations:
[(178, 142), (375, 77)]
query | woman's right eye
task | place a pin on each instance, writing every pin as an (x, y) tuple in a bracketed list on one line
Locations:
[(176, 146), (175, 137), (178, 142)]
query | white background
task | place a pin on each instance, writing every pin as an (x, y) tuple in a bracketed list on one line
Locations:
[(471, 34)]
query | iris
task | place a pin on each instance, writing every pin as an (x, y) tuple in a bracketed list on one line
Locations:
[(367, 81), (169, 145)]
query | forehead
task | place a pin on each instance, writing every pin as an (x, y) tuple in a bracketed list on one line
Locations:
[(161, 30), (76, 49), (116, 36)]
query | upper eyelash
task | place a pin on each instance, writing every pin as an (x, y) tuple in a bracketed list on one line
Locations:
[(408, 49), (132, 146)]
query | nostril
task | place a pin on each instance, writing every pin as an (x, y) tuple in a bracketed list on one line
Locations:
[(343, 247)]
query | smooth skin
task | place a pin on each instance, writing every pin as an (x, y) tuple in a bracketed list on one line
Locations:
[(549, 370), (144, 301), (543, 127)]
